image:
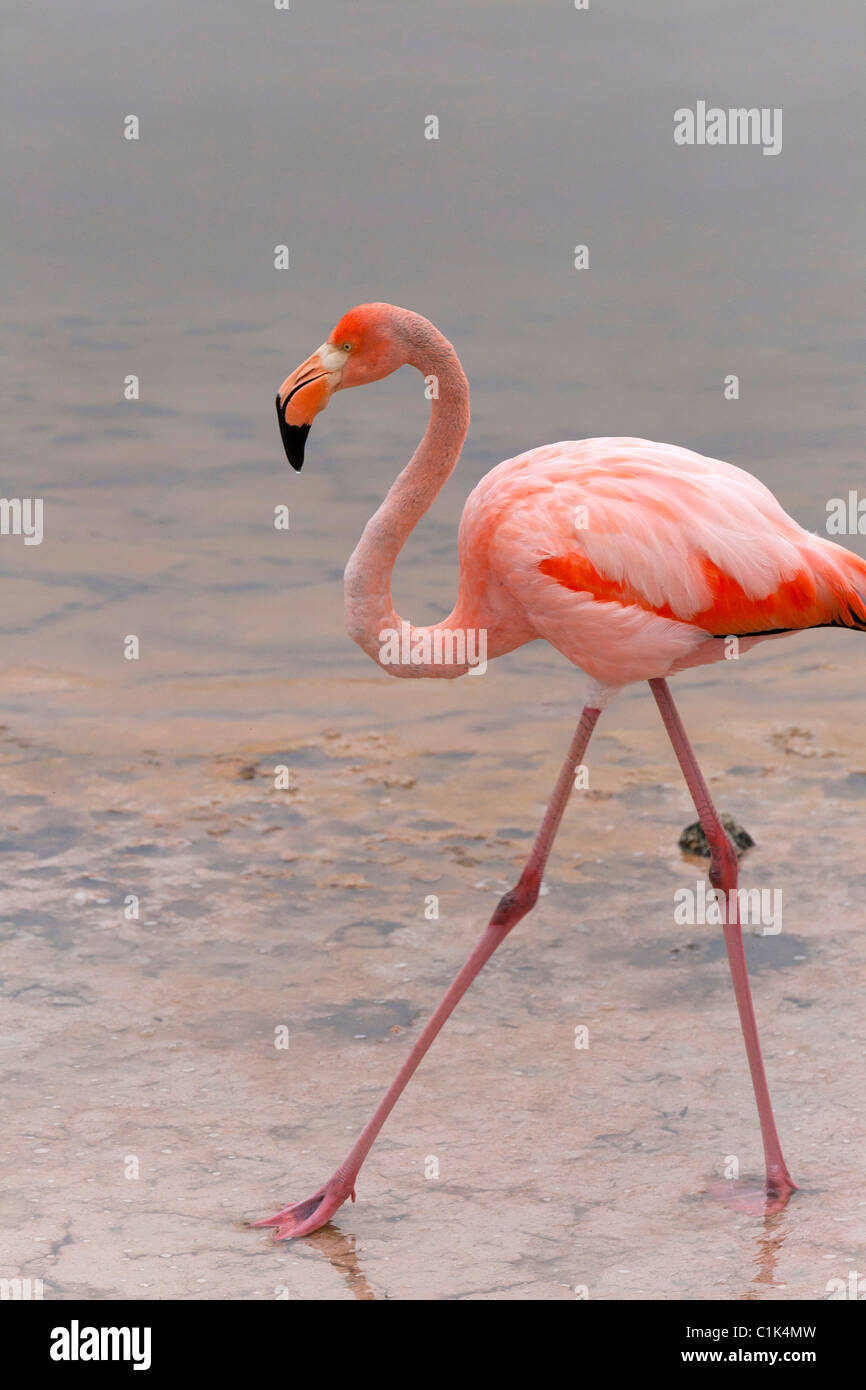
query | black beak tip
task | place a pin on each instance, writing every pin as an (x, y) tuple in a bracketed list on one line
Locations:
[(294, 438)]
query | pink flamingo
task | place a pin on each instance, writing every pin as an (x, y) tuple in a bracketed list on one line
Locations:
[(635, 560)]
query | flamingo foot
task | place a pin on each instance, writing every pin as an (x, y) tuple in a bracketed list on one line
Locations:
[(780, 1189), (753, 1196), (302, 1218)]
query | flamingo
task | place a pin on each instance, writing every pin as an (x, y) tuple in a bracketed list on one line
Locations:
[(635, 560)]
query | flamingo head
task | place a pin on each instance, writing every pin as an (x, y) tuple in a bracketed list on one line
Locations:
[(363, 347)]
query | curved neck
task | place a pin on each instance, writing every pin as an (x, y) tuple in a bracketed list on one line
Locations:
[(397, 646)]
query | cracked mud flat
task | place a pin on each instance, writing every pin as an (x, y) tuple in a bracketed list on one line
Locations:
[(153, 1040)]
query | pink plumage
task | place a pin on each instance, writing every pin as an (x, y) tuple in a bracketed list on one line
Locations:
[(633, 559)]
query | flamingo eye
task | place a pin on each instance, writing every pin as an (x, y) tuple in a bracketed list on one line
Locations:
[(347, 347)]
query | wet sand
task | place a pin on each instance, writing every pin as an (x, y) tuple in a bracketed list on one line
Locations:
[(558, 1168), (148, 1044)]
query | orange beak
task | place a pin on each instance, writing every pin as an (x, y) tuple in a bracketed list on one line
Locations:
[(299, 400)]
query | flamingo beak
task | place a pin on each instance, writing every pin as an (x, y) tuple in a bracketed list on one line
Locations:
[(303, 395)]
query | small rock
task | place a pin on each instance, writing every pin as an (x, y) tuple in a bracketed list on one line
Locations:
[(798, 742), (694, 841), (229, 765)]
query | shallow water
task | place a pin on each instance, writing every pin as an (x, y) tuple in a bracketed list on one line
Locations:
[(259, 910), (154, 1038)]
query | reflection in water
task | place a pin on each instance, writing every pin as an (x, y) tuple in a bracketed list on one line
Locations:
[(746, 1195), (769, 1242), (340, 1251)]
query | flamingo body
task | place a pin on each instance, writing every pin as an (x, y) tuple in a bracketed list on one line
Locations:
[(633, 559)]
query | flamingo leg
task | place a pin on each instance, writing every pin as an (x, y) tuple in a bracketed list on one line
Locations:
[(301, 1218), (723, 876)]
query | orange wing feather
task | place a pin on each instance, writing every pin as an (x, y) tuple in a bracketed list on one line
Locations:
[(795, 604)]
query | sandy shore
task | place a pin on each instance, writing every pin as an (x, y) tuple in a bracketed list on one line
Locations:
[(148, 1046)]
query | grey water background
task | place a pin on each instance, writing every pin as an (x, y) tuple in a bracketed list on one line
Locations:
[(306, 127)]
